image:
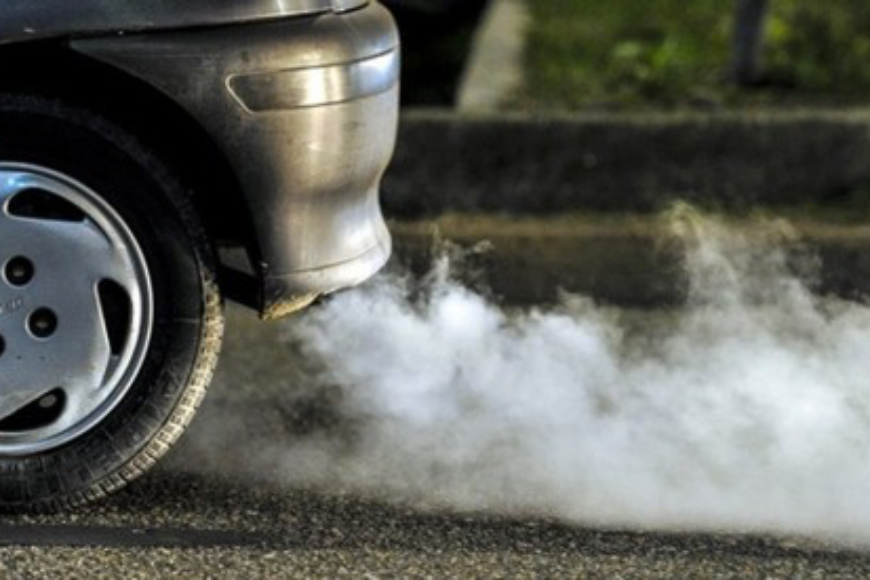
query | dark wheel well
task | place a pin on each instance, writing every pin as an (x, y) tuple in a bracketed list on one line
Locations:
[(51, 69)]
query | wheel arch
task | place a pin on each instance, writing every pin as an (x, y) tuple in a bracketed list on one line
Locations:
[(51, 69)]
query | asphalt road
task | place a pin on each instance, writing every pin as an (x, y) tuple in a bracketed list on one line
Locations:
[(213, 510), (208, 511)]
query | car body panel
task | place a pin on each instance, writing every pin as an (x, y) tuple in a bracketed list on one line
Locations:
[(306, 112), (36, 19)]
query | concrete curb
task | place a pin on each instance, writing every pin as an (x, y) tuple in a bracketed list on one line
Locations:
[(630, 261), (495, 68), (524, 164)]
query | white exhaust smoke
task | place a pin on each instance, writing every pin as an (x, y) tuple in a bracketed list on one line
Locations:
[(748, 409)]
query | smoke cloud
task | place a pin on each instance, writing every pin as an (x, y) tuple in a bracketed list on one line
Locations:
[(746, 409)]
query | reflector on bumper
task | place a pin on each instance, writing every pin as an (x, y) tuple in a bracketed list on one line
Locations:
[(312, 87)]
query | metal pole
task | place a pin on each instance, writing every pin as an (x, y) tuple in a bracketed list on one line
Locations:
[(748, 41)]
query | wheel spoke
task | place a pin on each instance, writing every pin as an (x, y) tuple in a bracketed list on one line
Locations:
[(70, 260)]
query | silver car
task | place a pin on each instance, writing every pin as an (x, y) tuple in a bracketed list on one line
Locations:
[(154, 158)]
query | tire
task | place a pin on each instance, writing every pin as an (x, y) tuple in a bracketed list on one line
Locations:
[(153, 317)]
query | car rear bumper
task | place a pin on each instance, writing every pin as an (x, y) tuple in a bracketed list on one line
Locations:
[(305, 111)]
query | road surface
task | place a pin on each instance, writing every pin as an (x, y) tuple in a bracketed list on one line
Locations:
[(211, 510)]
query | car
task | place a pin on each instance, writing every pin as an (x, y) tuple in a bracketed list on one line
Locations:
[(156, 158)]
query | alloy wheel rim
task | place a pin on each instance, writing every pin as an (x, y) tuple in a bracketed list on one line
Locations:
[(76, 309)]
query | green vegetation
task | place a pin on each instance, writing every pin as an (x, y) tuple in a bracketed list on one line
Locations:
[(612, 53)]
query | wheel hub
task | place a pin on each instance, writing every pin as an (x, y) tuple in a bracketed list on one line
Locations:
[(75, 309)]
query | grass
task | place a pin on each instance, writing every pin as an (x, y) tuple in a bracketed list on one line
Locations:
[(675, 53)]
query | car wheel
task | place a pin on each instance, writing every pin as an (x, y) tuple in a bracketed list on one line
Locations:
[(110, 316)]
